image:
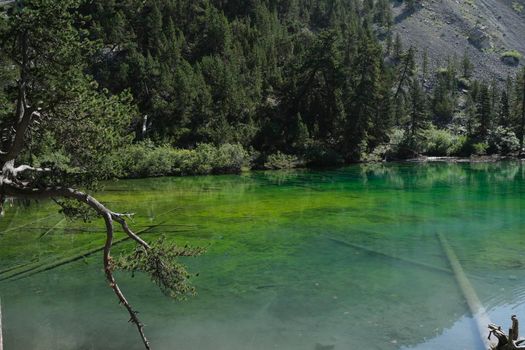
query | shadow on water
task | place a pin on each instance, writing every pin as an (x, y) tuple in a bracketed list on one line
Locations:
[(297, 258)]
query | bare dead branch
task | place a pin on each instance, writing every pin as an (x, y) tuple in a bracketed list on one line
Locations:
[(23, 168), (131, 234), (113, 284)]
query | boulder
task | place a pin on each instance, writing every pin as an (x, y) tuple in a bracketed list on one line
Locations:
[(479, 39), (510, 60)]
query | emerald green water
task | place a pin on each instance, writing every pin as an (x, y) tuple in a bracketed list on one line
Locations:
[(285, 267)]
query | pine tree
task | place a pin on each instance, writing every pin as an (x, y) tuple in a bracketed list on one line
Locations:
[(418, 110), (383, 14), (389, 44), (425, 64), (484, 112), (366, 98), (504, 110), (521, 93), (466, 66), (398, 47)]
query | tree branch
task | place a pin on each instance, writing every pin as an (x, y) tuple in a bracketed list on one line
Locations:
[(20, 132), (10, 188), (8, 167), (113, 284), (24, 112), (119, 218)]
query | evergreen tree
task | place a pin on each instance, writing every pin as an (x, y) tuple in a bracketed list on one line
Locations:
[(366, 96), (504, 110), (220, 71), (484, 112), (398, 47), (466, 66), (383, 14), (61, 130), (520, 86), (418, 110), (425, 64)]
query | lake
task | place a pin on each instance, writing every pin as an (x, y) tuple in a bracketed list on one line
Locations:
[(295, 260)]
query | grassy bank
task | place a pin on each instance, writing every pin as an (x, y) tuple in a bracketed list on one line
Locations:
[(146, 159)]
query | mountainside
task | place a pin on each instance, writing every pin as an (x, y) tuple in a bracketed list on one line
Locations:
[(484, 29), (284, 83)]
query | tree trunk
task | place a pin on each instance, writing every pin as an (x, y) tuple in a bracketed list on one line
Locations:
[(507, 342)]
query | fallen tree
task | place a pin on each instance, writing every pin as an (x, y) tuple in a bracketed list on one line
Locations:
[(507, 342), (59, 131)]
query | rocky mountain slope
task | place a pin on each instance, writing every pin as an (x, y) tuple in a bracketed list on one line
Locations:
[(484, 29)]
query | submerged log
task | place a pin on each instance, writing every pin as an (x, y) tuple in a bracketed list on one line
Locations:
[(390, 256), (476, 308), (507, 342)]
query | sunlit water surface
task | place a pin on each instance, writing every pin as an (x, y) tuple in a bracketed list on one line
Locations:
[(296, 260)]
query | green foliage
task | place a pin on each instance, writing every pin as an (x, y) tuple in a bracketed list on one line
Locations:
[(272, 75), (440, 142), (503, 141), (148, 160), (319, 155), (466, 66), (484, 112), (214, 78), (78, 122), (516, 6), (227, 158), (480, 148), (395, 147), (160, 263), (512, 53), (281, 161)]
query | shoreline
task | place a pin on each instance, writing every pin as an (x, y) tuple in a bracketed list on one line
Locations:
[(417, 160), (472, 159)]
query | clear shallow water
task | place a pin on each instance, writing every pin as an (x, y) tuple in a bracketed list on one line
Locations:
[(292, 261)]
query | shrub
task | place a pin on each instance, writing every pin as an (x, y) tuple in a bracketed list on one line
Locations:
[(464, 83), (503, 141), (319, 155), (480, 148), (516, 6), (459, 145), (281, 160), (439, 142), (512, 53), (401, 145), (230, 158), (390, 150), (204, 159), (511, 57), (185, 162), (147, 160)]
